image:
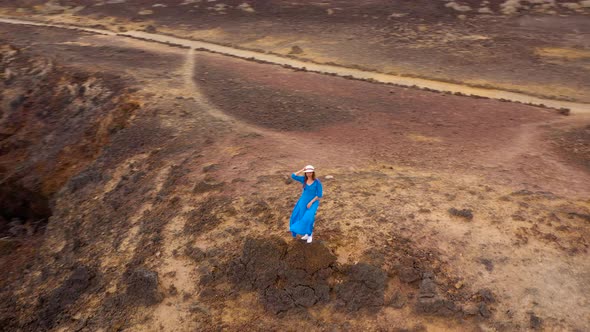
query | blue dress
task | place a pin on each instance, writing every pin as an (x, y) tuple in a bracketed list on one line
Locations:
[(302, 218)]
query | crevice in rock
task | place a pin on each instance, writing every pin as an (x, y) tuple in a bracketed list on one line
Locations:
[(22, 212)]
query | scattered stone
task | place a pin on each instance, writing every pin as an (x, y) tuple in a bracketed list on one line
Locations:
[(209, 168), (459, 284), (198, 307), (329, 177), (471, 309), (205, 186), (484, 311), (142, 288), (485, 10), (397, 301), (150, 29), (427, 289), (518, 217), (487, 263), (535, 322), (486, 296), (194, 253), (550, 237), (458, 7), (246, 7), (584, 216), (296, 50), (522, 192), (464, 213)]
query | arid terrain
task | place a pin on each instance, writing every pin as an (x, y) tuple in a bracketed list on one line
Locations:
[(144, 171)]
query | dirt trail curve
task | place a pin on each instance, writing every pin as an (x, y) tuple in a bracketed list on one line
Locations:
[(328, 69)]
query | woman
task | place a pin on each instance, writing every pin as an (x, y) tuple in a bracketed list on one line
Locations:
[(303, 216)]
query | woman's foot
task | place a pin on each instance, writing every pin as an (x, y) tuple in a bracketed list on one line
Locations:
[(305, 237), (309, 239)]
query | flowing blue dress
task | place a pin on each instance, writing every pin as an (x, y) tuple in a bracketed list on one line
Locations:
[(302, 218)]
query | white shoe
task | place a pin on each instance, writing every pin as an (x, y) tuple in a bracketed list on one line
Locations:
[(309, 239), (305, 237)]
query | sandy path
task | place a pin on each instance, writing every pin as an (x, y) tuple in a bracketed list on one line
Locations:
[(194, 90), (329, 69)]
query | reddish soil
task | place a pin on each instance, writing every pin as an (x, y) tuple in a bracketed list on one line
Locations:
[(390, 124)]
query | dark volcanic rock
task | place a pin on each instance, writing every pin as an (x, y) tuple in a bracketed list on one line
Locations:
[(54, 305), (277, 300), (286, 276), (408, 273), (535, 322), (194, 253), (296, 50), (436, 306), (486, 296), (309, 257), (260, 263), (363, 288), (303, 295), (430, 302), (427, 288), (205, 186), (151, 29), (464, 213), (142, 288), (487, 263), (398, 301), (484, 311)]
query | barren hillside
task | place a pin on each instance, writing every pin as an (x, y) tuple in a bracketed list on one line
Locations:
[(145, 186)]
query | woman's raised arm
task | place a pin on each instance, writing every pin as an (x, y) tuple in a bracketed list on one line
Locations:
[(295, 176)]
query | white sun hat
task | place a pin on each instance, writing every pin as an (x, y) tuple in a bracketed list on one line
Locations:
[(309, 169)]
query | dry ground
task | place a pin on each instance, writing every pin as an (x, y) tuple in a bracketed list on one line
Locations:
[(441, 213), (536, 47)]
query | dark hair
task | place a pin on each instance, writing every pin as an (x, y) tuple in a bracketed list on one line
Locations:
[(305, 180)]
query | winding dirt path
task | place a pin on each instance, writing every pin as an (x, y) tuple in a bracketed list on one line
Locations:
[(195, 91), (328, 69)]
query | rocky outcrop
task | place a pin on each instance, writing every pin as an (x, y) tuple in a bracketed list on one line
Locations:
[(54, 121), (286, 276)]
